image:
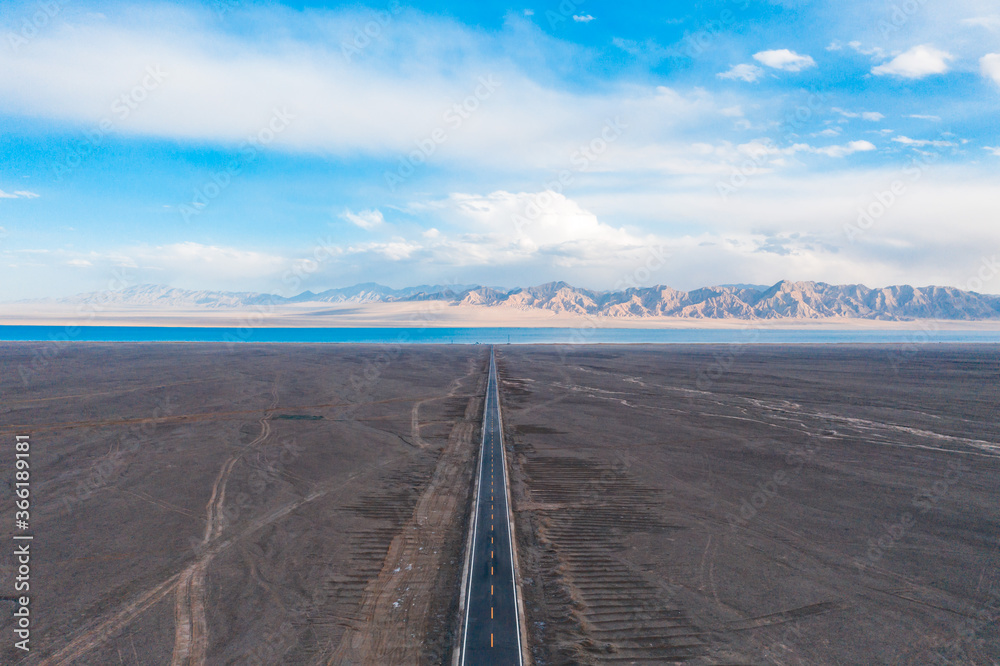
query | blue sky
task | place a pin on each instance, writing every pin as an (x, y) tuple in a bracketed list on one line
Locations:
[(281, 147)]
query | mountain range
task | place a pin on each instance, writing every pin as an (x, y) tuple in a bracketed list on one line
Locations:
[(784, 300)]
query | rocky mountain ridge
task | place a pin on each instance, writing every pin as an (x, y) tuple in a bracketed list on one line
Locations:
[(784, 300)]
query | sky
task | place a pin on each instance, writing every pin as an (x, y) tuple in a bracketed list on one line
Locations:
[(280, 147)]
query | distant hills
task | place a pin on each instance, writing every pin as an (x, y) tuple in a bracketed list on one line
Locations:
[(784, 300)]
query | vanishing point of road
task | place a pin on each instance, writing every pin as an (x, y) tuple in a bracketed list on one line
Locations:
[(491, 632)]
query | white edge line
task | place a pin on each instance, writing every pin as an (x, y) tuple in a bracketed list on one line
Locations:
[(475, 525), (510, 517)]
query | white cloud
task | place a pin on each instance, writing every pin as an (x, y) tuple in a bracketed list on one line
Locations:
[(396, 249), (989, 65), (829, 131), (529, 12), (583, 18), (874, 51), (993, 150), (920, 143), (873, 116), (918, 62), (208, 260), (366, 219), (221, 87), (921, 116), (845, 150), (18, 194), (185, 263), (745, 72), (907, 245), (510, 227), (786, 60), (991, 22)]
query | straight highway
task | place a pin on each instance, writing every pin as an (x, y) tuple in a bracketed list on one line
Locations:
[(491, 632)]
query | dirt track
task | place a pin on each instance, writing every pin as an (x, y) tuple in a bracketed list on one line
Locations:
[(308, 504), (269, 504)]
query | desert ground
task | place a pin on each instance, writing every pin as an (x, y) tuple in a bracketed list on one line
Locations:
[(421, 314), (308, 504), (757, 505), (248, 505)]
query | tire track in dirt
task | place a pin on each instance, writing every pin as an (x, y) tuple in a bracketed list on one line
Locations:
[(393, 617), (98, 632), (188, 584), (415, 412), (191, 623), (191, 627), (178, 418)]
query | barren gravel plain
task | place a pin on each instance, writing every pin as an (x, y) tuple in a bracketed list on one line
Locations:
[(201, 504), (308, 504), (757, 505)]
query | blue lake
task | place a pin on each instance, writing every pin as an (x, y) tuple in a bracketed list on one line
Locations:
[(428, 335)]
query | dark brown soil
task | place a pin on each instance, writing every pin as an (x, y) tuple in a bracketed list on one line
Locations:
[(250, 505), (757, 505)]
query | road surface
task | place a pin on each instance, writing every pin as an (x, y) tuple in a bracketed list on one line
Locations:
[(491, 631)]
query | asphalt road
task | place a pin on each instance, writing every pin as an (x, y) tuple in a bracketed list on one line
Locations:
[(491, 634)]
